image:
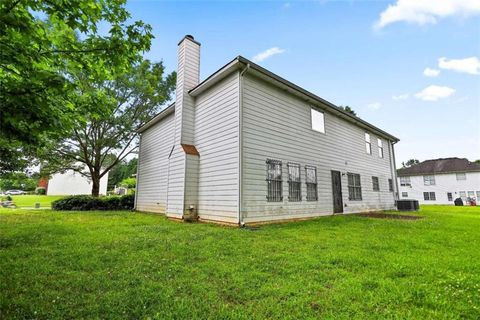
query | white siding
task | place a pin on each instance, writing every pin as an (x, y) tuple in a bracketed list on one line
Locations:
[(155, 145), (444, 183), (216, 139), (73, 183), (277, 125)]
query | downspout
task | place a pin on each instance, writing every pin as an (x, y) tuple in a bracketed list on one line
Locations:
[(138, 167), (393, 170), (240, 144)]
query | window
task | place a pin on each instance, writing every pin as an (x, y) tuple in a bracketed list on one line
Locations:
[(449, 196), (471, 194), (404, 194), (429, 196), (461, 176), (390, 185), (429, 180), (380, 148), (376, 186), (354, 187), (463, 195), (405, 182), (274, 180), (311, 180), (318, 121), (478, 195), (368, 145), (294, 183)]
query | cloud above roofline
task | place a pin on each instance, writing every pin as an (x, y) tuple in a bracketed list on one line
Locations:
[(267, 54)]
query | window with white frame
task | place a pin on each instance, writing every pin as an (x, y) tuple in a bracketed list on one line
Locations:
[(429, 180), (404, 194), (449, 196), (471, 194), (429, 196), (318, 120), (463, 195), (274, 180), (461, 176), (311, 181), (375, 184), (368, 144), (405, 182), (478, 195), (380, 148), (354, 186), (294, 182)]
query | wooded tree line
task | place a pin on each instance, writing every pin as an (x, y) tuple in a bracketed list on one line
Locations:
[(72, 93)]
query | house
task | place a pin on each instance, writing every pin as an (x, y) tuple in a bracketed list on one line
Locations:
[(440, 181), (247, 146), (71, 183)]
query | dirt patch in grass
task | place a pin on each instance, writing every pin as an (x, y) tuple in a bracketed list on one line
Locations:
[(378, 215)]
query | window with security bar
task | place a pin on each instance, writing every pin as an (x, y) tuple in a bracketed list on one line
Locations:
[(354, 187), (274, 180), (311, 181), (294, 182)]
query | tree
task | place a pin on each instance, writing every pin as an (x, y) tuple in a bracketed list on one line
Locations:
[(100, 140), (121, 171), (38, 39), (129, 183), (348, 110), (18, 180), (410, 163)]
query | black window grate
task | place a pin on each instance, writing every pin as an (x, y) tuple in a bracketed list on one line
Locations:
[(429, 196), (354, 186), (294, 182), (375, 184), (274, 180), (311, 181)]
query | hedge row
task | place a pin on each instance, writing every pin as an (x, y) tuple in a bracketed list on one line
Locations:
[(85, 203)]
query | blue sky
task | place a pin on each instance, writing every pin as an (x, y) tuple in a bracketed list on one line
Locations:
[(370, 55)]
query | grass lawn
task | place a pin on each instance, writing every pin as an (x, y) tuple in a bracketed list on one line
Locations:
[(130, 265), (30, 200)]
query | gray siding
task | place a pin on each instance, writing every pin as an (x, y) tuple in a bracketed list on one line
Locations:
[(155, 146), (277, 125), (216, 139)]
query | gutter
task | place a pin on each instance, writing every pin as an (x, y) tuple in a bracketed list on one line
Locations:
[(241, 223)]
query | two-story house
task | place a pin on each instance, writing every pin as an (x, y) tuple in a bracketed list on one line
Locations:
[(440, 181), (247, 146)]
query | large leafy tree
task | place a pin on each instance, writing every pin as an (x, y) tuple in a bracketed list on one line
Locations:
[(122, 170), (38, 41), (112, 111)]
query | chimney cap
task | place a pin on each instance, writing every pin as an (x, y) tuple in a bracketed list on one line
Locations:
[(189, 37)]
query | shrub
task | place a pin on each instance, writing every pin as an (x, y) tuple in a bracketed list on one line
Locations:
[(41, 191), (86, 203)]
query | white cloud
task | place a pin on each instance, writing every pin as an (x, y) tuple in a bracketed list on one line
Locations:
[(468, 65), (423, 12), (404, 96), (431, 72), (433, 93), (267, 54), (374, 106)]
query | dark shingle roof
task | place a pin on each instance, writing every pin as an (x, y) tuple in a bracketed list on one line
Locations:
[(439, 166)]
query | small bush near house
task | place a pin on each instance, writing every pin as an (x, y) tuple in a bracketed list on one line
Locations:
[(40, 191), (86, 203)]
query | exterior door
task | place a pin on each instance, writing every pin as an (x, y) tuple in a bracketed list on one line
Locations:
[(337, 192)]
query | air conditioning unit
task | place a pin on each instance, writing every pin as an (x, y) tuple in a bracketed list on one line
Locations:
[(407, 205)]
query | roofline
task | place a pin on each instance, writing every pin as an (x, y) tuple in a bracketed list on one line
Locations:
[(400, 174), (222, 72), (159, 116)]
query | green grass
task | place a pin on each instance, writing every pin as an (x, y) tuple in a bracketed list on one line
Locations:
[(30, 200), (127, 265)]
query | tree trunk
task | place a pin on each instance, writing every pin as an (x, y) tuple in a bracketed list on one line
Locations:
[(95, 185)]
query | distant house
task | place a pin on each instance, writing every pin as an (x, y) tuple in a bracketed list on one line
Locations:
[(247, 146), (440, 181), (71, 183)]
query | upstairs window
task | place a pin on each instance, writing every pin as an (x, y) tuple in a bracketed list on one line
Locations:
[(380, 148), (405, 182), (294, 183), (375, 184), (390, 185), (311, 181), (461, 176), (354, 187), (274, 180), (368, 144), (429, 180), (318, 121), (429, 196)]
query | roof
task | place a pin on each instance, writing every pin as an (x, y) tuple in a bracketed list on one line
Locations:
[(443, 165), (241, 62), (159, 116)]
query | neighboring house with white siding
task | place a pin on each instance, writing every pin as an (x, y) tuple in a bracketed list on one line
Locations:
[(440, 181), (73, 183), (247, 146)]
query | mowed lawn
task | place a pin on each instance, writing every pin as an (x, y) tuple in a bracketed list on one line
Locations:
[(128, 265), (30, 200)]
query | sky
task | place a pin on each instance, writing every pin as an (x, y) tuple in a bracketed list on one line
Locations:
[(409, 67)]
